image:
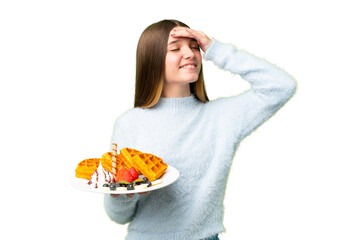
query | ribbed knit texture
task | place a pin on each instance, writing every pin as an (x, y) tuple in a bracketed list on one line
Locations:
[(200, 140)]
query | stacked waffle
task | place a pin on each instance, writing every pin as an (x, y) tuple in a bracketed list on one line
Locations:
[(126, 156), (146, 164)]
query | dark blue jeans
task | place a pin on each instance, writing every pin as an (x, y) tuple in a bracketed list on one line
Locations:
[(212, 238)]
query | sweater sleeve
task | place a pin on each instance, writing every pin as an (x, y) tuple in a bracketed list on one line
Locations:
[(120, 209), (270, 89)]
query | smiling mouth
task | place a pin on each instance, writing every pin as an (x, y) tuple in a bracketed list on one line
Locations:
[(189, 66)]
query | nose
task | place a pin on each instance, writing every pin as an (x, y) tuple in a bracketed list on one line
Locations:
[(188, 53)]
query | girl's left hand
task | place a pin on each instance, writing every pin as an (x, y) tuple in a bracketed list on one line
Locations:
[(129, 195), (203, 40)]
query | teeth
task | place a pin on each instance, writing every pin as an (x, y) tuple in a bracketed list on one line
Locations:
[(188, 66)]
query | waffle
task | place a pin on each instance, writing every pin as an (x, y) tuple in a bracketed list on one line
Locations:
[(126, 155), (87, 167), (106, 162), (149, 165)]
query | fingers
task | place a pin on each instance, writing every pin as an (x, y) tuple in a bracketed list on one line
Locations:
[(181, 32), (143, 193), (203, 40), (133, 194)]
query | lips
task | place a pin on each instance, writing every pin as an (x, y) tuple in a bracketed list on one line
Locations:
[(188, 66)]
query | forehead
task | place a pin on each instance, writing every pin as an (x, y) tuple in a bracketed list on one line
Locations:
[(180, 40)]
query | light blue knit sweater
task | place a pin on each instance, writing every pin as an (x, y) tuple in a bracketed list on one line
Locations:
[(200, 140)]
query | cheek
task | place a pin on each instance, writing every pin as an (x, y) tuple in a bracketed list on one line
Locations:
[(198, 59), (198, 56), (171, 63)]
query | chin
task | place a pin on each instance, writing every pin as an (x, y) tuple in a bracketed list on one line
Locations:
[(194, 80), (191, 79)]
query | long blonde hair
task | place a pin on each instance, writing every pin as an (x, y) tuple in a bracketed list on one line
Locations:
[(150, 65)]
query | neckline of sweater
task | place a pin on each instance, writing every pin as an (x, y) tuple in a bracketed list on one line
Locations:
[(177, 105)]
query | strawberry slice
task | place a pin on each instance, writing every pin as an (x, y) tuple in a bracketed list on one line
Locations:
[(134, 173), (120, 173), (126, 177)]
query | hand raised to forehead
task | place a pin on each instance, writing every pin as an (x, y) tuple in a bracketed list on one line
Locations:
[(203, 40)]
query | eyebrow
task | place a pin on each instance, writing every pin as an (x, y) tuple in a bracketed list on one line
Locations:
[(175, 41)]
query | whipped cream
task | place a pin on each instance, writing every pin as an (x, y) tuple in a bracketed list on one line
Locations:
[(100, 177)]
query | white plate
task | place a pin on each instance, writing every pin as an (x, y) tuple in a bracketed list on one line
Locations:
[(171, 175)]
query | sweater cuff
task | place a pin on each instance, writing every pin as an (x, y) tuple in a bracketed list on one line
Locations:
[(120, 202), (120, 209), (211, 51)]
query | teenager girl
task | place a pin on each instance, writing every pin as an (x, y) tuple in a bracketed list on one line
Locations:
[(173, 118)]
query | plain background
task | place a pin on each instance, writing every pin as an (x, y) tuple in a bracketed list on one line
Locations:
[(67, 71)]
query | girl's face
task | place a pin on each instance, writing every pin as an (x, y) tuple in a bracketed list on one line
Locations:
[(182, 61)]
